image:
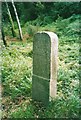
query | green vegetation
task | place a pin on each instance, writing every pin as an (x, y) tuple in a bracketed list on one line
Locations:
[(17, 70)]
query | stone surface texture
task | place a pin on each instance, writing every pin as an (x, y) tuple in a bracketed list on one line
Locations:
[(44, 78)]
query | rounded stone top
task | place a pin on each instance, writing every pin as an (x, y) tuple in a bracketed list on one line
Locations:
[(52, 35)]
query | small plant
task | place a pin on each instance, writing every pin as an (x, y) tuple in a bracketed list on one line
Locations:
[(32, 30), (26, 112)]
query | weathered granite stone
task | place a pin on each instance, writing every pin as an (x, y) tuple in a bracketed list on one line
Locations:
[(40, 87), (44, 79), (41, 44), (41, 66)]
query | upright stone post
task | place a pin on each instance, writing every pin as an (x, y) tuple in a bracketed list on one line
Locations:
[(44, 79)]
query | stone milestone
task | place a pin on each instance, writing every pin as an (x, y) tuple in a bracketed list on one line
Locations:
[(44, 78)]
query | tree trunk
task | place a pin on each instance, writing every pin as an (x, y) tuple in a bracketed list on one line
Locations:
[(3, 36), (18, 23), (11, 21)]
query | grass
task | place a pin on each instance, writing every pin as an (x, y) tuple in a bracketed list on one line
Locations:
[(17, 77)]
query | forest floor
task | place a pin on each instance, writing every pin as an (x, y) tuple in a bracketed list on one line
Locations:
[(17, 78)]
